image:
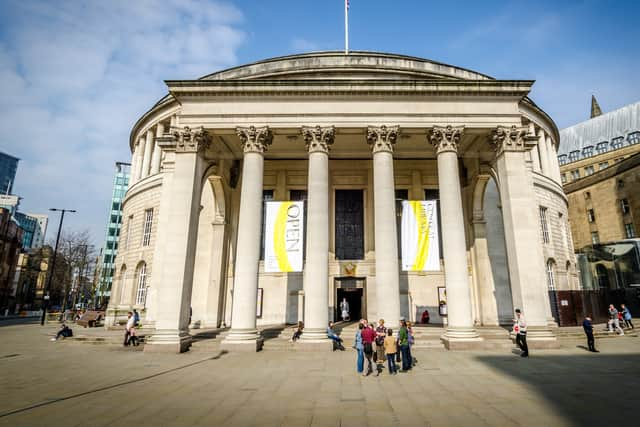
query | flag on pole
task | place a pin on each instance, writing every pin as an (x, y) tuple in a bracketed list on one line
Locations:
[(346, 27)]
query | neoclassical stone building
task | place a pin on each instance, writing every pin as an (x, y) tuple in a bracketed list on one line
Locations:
[(352, 136)]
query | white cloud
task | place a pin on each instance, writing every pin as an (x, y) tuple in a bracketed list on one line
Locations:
[(75, 77)]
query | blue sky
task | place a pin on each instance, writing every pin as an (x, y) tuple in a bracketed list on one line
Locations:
[(75, 76)]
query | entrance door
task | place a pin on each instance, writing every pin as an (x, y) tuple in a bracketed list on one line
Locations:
[(351, 290)]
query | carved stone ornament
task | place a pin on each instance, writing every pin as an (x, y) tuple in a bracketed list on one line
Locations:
[(318, 139), (191, 140), (254, 140), (512, 138), (382, 138), (446, 138)]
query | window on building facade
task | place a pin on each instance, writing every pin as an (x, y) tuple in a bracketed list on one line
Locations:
[(349, 224), (587, 151), (574, 155), (629, 231), (575, 174), (128, 237), (148, 222), (595, 239), (544, 224), (563, 177), (551, 281), (401, 194), (141, 290), (617, 142), (624, 206), (591, 215), (434, 194), (589, 170), (603, 165), (620, 183), (587, 195), (602, 147), (562, 159), (267, 196), (633, 138)]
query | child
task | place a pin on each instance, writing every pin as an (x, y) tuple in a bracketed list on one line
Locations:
[(390, 349)]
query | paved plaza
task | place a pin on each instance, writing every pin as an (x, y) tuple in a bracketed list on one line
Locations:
[(73, 384)]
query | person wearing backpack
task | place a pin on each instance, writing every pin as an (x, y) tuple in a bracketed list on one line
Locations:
[(368, 339)]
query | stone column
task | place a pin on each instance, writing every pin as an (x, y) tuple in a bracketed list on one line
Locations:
[(522, 231), (544, 155), (140, 153), (553, 160), (316, 271), (157, 152), (134, 165), (173, 278), (381, 140), (146, 160), (460, 333), (243, 334)]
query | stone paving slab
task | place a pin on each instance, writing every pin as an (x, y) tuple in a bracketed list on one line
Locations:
[(71, 384)]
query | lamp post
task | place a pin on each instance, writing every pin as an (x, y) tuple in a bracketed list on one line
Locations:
[(53, 264)]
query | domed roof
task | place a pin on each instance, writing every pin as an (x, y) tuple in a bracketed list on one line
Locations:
[(356, 65)]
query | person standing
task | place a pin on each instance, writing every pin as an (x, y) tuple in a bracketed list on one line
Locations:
[(403, 343), (368, 339), (390, 349), (520, 329), (357, 344), (136, 318), (588, 330), (130, 333), (412, 359), (344, 308), (614, 322), (381, 333), (626, 315)]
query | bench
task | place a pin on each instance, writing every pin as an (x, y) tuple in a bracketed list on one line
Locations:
[(90, 318)]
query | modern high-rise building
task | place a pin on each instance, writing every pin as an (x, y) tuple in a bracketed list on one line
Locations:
[(8, 169), (110, 250)]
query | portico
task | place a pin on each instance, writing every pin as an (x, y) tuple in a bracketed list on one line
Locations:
[(351, 136)]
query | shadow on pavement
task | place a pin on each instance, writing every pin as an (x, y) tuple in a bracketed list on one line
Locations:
[(589, 389)]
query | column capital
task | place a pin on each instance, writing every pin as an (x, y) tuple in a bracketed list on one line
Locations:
[(446, 138), (318, 139), (382, 138), (253, 139), (514, 138), (185, 140)]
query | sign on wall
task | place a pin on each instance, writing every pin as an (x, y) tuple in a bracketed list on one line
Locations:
[(284, 236), (420, 249)]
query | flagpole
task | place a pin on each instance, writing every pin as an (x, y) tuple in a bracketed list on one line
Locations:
[(346, 27)]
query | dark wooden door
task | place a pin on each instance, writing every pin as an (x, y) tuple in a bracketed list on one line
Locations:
[(349, 224)]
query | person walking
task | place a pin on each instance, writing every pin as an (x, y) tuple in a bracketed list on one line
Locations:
[(344, 308), (626, 315), (390, 349), (130, 337), (520, 329), (381, 334), (357, 344), (368, 339), (337, 341), (614, 322), (403, 343), (412, 359), (136, 318), (588, 330)]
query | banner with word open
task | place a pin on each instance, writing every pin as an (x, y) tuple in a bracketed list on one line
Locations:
[(283, 236)]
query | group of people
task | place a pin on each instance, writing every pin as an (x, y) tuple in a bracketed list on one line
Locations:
[(618, 317), (377, 345), (130, 334)]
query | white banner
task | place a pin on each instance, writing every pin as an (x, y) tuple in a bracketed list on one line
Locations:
[(283, 236), (420, 250)]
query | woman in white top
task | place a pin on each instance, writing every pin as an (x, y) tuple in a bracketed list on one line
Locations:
[(130, 334)]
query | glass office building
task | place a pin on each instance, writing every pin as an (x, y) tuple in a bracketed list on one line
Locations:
[(110, 249), (8, 169)]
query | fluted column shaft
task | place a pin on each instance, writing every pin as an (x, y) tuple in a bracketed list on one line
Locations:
[(459, 310), (134, 165), (316, 272), (381, 139), (544, 154), (148, 149), (140, 155), (157, 152), (243, 334)]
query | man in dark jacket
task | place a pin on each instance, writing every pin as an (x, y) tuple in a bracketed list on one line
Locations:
[(588, 330)]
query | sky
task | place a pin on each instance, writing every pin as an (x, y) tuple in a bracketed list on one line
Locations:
[(75, 76)]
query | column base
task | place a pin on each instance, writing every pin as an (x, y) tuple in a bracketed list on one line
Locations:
[(168, 341), (541, 337), (242, 340), (462, 339), (314, 340)]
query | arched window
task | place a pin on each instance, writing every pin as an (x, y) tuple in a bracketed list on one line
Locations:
[(141, 290), (551, 282)]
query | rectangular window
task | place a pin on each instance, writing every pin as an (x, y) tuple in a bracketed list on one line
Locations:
[(591, 215), (589, 170), (562, 159), (267, 196), (603, 165), (633, 138), (563, 177), (602, 147), (401, 194), (128, 236), (624, 206), (629, 231), (142, 285), (575, 174), (544, 225), (595, 239), (587, 151), (349, 224), (148, 222), (617, 142), (574, 155)]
